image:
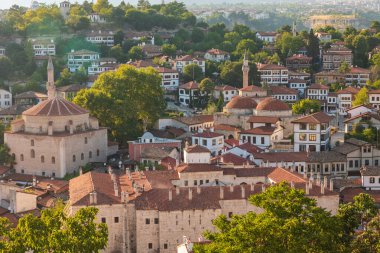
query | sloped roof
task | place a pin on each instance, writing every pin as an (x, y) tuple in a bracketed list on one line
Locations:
[(197, 149), (278, 90), (252, 88), (263, 119), (192, 85), (262, 130), (315, 118), (55, 107)]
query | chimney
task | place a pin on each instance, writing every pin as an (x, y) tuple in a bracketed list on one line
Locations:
[(190, 194), (322, 189), (331, 185), (198, 189), (243, 191), (116, 189), (221, 192), (177, 190), (252, 187), (325, 181), (231, 188), (307, 190), (170, 195)]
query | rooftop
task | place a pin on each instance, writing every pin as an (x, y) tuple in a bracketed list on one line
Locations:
[(55, 107), (315, 118)]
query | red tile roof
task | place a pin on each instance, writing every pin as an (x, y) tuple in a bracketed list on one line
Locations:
[(250, 148), (262, 130), (282, 157), (315, 118), (195, 120), (263, 119), (215, 51), (374, 91), (224, 87), (298, 57), (238, 102), (349, 90), (55, 107), (207, 134), (190, 86), (318, 86), (270, 67), (252, 88), (278, 90), (234, 159), (357, 70), (101, 183), (231, 142), (279, 175), (225, 127), (197, 167), (272, 104), (197, 149)]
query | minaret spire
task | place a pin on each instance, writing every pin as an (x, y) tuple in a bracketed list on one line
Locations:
[(50, 85), (245, 70)]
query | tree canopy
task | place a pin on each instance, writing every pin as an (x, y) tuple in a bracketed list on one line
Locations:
[(54, 231), (306, 106), (127, 101), (361, 98)]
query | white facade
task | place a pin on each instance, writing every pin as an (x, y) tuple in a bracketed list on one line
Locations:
[(274, 75), (317, 93), (185, 95), (80, 58), (290, 98), (210, 140), (311, 137), (170, 78), (217, 55), (5, 99), (101, 37), (227, 91), (181, 63), (43, 47), (2, 51), (374, 98), (298, 85), (267, 36), (96, 18)]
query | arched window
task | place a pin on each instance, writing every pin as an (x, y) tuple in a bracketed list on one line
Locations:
[(74, 158), (85, 140), (42, 159), (97, 152), (371, 180), (32, 153), (90, 154), (53, 160), (32, 143), (21, 157), (82, 156)]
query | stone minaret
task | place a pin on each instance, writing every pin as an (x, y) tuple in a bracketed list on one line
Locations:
[(50, 86), (294, 29), (245, 70)]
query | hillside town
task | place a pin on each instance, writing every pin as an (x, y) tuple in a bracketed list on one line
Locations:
[(184, 136)]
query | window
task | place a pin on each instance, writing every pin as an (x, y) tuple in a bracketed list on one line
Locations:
[(186, 183), (376, 162), (90, 154), (42, 159), (195, 182), (32, 143), (43, 173), (82, 156), (230, 214), (150, 245), (22, 171), (262, 140), (97, 152), (53, 174), (74, 158), (356, 163), (21, 157), (213, 142), (312, 137), (312, 126), (53, 160), (303, 127), (204, 142), (32, 153), (103, 220), (366, 162), (351, 163), (200, 182), (155, 220), (302, 137), (116, 219), (147, 221), (85, 140), (302, 147), (165, 246), (371, 180)]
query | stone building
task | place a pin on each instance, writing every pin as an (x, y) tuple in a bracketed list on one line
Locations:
[(55, 137)]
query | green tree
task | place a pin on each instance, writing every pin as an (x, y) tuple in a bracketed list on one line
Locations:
[(231, 74), (5, 68), (135, 53), (55, 231), (169, 49), (119, 38), (287, 44), (103, 8), (344, 67), (246, 45), (306, 106), (361, 98), (65, 78), (192, 72), (80, 76), (117, 53), (207, 85), (290, 222), (220, 102), (197, 35), (368, 241), (360, 51), (313, 46), (127, 101)]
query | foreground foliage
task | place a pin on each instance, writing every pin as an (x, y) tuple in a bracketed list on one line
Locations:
[(292, 222), (54, 231)]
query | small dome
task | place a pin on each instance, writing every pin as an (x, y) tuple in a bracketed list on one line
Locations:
[(55, 107), (272, 104), (238, 102)]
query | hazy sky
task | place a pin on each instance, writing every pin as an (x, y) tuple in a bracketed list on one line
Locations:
[(4, 4)]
